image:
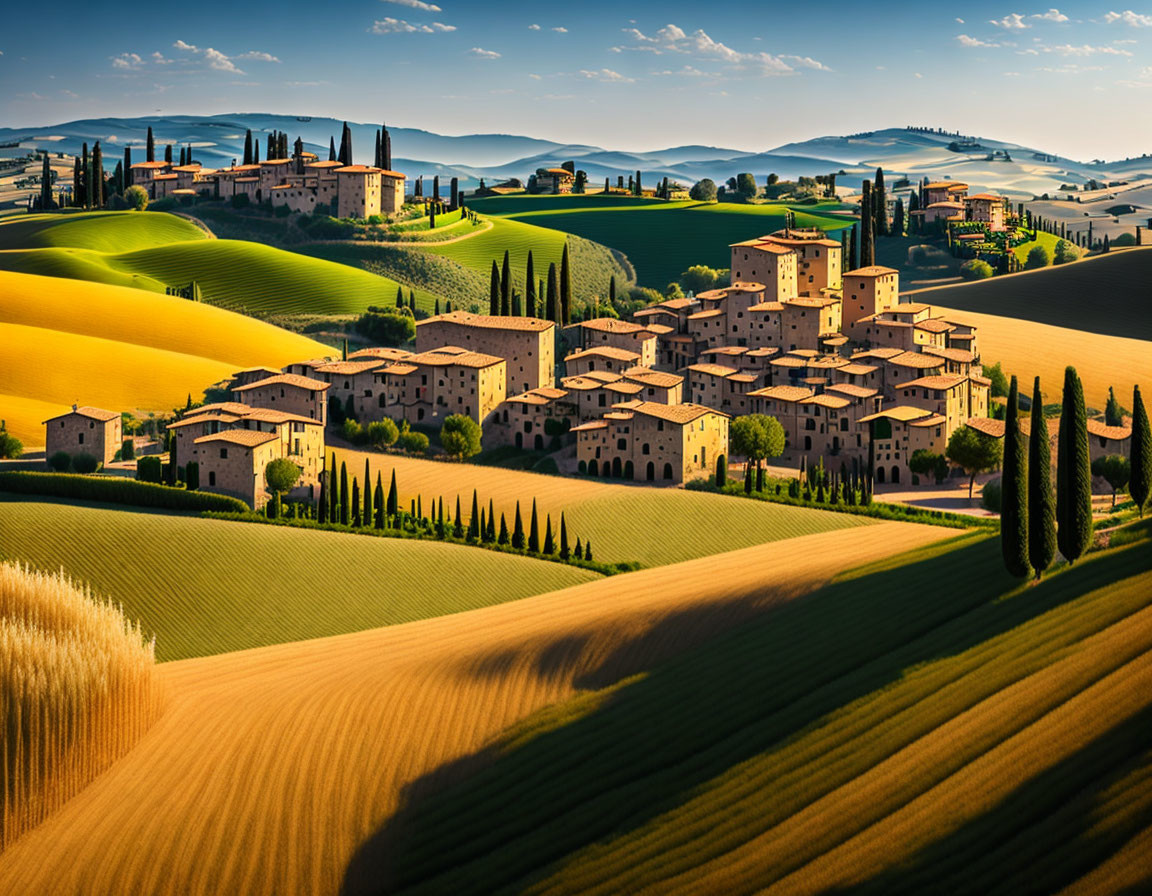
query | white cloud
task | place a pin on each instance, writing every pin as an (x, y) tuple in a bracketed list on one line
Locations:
[(304, 83), (1012, 21), (607, 76), (1071, 68), (917, 75), (687, 72), (390, 25), (258, 56), (1011, 74), (416, 4), (807, 62), (959, 21), (158, 58), (128, 61), (484, 54), (70, 94), (1086, 50), (1053, 15), (533, 27), (1130, 18), (218, 61), (672, 38), (966, 41), (535, 77), (560, 29), (1028, 52), (180, 45)]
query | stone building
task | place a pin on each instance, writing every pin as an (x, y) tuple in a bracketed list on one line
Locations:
[(84, 430), (289, 392), (526, 344)]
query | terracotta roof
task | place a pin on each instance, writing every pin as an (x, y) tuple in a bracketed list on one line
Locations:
[(987, 425), (835, 340), (763, 246), (811, 301), (656, 378), (858, 369), (149, 165), (766, 306), (1101, 430), (883, 353), (603, 351), (854, 391), (979, 380), (827, 401), (902, 412), (675, 413), (872, 270), (944, 184), (196, 167), (223, 407), (356, 169), (934, 325), (960, 355), (654, 310), (488, 321), (931, 420), (747, 285), (918, 360), (381, 352), (742, 378), (732, 350), (712, 294), (986, 197), (215, 416), (249, 438), (454, 356), (788, 361), (675, 304), (714, 312), (400, 368), (581, 383), (166, 177), (325, 164), (783, 393), (612, 325), (624, 388), (946, 205), (540, 396), (90, 412), (602, 376), (950, 381), (910, 308), (348, 368), (660, 329), (287, 379), (828, 361), (593, 424), (713, 369)]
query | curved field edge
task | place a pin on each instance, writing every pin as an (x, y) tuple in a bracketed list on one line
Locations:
[(229, 586), (272, 766), (648, 525)]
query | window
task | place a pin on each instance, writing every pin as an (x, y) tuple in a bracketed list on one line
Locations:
[(211, 477), (622, 444), (223, 453)]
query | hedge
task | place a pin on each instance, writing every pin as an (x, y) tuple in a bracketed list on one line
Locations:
[(115, 490)]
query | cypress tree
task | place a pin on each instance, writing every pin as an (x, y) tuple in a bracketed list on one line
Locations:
[(867, 250), (440, 530), (46, 184), (565, 553), (1073, 473), (367, 494), (534, 531), (77, 181), (1113, 416), (530, 288), (1140, 453), (333, 493), (494, 291), (385, 148), (747, 478), (898, 226), (127, 169), (1041, 511), (331, 149), (85, 178), (247, 146), (550, 295), (1014, 492), (565, 286), (474, 519), (880, 204), (322, 506), (549, 545), (97, 176), (355, 502), (255, 152), (612, 290), (458, 524), (150, 146), (436, 188), (437, 307), (393, 497), (345, 507), (400, 303), (588, 549), (412, 301), (503, 538), (455, 193), (378, 501), (506, 286), (168, 153), (853, 257), (518, 529), (490, 532), (578, 552), (376, 152)]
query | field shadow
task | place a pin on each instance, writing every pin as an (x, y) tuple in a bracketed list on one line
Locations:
[(505, 816)]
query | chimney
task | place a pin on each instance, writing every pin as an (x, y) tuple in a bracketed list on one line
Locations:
[(74, 407)]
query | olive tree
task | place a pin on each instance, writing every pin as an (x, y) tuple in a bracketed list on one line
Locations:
[(460, 436), (974, 452)]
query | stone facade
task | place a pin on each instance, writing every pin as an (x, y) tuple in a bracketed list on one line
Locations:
[(526, 344), (84, 430)]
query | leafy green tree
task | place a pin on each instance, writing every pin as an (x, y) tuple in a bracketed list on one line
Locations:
[(281, 475), (1064, 252), (1115, 469), (703, 191), (136, 198), (995, 373), (974, 452), (756, 437), (700, 278), (148, 469), (192, 476), (746, 186), (1038, 257), (1041, 506), (387, 326), (413, 442), (460, 436), (382, 433), (1014, 492), (927, 463), (85, 463), (1113, 413), (10, 446), (1140, 454), (1073, 473)]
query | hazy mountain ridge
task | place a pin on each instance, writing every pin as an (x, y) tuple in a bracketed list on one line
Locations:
[(1011, 168)]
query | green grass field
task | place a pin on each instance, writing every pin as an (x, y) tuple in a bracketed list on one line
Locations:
[(923, 725), (1107, 294), (1047, 240), (98, 231), (209, 586), (661, 239)]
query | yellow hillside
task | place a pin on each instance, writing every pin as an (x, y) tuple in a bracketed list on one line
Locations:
[(1028, 349), (72, 341), (273, 765)]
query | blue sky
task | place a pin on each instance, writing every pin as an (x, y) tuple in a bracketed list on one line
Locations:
[(1076, 80)]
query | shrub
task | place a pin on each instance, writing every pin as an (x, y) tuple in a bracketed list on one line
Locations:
[(136, 198), (382, 433), (460, 436), (386, 326), (975, 269), (115, 490), (10, 446), (128, 449), (1065, 252), (353, 432), (85, 463), (703, 190), (61, 461), (192, 476), (148, 469), (413, 442), (1037, 258), (991, 494)]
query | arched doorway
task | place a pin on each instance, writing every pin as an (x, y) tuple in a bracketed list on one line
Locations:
[(651, 475), (582, 467), (895, 474), (616, 467), (538, 443), (629, 471), (880, 475), (667, 471), (593, 468), (519, 440)]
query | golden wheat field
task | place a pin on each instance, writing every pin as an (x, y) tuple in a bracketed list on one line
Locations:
[(1028, 349), (649, 525), (271, 766), (70, 341)]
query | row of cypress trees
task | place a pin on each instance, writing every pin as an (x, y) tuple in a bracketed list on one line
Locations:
[(341, 502), (1033, 522), (504, 301)]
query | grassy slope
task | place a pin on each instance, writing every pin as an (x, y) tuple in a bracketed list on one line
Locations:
[(69, 341), (98, 231), (927, 726), (652, 526), (1029, 349), (1107, 294), (273, 766), (207, 586), (661, 239)]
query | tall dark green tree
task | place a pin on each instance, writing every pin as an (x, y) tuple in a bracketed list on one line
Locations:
[(1113, 415), (127, 169), (530, 288), (393, 497), (853, 260), (534, 531), (898, 225), (506, 286), (356, 520), (490, 532), (332, 149), (565, 287), (367, 494), (322, 504), (1073, 473), (82, 198), (880, 204), (474, 519), (549, 544), (150, 146), (1140, 454), (345, 503), (1041, 506), (46, 184), (1014, 491), (503, 538), (97, 176), (867, 228), (565, 553), (379, 503), (168, 153), (333, 492), (551, 311), (247, 146), (518, 529), (494, 291)]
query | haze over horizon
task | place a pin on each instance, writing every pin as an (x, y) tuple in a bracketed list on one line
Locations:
[(1065, 80)]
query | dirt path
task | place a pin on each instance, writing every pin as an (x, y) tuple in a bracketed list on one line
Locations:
[(273, 765), (207, 230)]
